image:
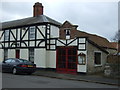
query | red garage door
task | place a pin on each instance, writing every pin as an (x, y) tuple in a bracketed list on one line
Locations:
[(67, 60)]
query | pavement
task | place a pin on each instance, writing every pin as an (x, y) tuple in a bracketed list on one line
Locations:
[(79, 77)]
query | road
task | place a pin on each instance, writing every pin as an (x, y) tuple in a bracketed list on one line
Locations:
[(30, 81)]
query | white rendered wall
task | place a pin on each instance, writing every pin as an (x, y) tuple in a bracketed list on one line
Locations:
[(40, 57), (1, 55), (24, 54), (26, 35), (51, 59), (1, 38), (14, 33), (18, 35), (11, 53), (54, 31), (42, 29)]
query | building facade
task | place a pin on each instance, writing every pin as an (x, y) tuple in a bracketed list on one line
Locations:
[(52, 45)]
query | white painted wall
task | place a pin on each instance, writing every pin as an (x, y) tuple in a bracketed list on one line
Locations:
[(24, 54), (14, 33), (40, 58), (32, 43), (1, 38), (1, 55), (6, 44), (0, 46), (60, 44), (54, 31), (81, 46), (18, 34), (74, 43), (81, 68), (82, 40), (11, 53), (42, 29), (26, 35), (51, 59)]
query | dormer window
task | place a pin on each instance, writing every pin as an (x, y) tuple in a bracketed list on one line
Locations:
[(67, 33)]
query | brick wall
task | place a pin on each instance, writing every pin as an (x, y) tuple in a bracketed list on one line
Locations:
[(72, 28)]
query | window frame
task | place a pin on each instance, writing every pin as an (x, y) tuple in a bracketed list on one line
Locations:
[(67, 30), (31, 55), (100, 59), (32, 30)]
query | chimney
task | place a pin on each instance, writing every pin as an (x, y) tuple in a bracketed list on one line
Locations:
[(37, 9)]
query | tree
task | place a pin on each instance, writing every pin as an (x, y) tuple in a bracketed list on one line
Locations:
[(117, 36)]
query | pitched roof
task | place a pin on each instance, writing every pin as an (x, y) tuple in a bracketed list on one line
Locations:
[(100, 41), (29, 21), (116, 45)]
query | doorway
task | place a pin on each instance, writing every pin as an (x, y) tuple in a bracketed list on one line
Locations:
[(67, 60), (18, 54)]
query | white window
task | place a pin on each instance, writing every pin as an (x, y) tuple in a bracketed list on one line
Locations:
[(67, 33), (32, 32), (6, 35), (97, 58), (31, 55)]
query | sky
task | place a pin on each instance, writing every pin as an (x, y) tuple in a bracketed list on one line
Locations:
[(92, 16)]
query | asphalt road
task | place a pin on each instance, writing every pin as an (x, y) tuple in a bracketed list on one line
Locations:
[(30, 81)]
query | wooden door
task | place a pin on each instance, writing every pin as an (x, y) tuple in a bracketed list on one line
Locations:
[(67, 59), (18, 54)]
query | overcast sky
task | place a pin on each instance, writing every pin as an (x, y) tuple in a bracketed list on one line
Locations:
[(99, 18)]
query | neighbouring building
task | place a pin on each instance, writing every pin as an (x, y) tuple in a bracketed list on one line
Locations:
[(52, 45)]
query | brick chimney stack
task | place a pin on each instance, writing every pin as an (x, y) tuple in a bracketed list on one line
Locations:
[(37, 9)]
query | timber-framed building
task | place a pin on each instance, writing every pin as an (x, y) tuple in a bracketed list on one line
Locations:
[(52, 45)]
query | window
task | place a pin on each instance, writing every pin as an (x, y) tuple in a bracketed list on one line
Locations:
[(97, 57), (32, 32), (13, 61), (8, 61), (23, 60), (6, 36), (81, 58), (31, 55), (67, 33)]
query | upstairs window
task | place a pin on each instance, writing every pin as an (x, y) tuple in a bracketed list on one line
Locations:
[(97, 58), (67, 33), (6, 36), (32, 32)]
